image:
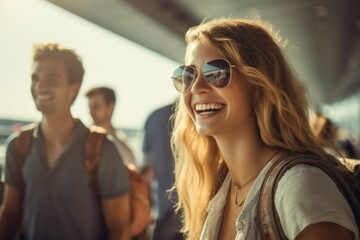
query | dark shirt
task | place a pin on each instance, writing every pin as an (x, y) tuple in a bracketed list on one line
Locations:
[(157, 152)]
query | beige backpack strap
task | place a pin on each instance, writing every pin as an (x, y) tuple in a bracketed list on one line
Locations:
[(269, 221), (140, 191), (23, 141), (92, 153), (22, 145)]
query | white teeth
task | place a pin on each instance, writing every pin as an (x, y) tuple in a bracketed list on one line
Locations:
[(43, 97), (210, 106)]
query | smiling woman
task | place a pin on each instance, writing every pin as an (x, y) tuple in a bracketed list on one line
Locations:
[(231, 128), (102, 53)]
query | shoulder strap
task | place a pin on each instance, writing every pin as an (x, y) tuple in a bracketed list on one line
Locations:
[(93, 146), (22, 145), (23, 141), (140, 191), (268, 218)]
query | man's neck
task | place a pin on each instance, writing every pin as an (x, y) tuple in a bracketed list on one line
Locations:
[(58, 129)]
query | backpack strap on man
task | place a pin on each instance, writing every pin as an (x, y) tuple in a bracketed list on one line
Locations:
[(140, 191), (22, 145), (23, 141), (269, 221), (95, 139)]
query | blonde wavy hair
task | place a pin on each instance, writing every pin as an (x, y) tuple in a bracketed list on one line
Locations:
[(280, 106)]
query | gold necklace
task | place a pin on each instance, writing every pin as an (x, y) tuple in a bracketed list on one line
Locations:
[(238, 187)]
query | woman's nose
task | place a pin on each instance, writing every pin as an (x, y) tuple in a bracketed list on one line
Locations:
[(200, 85)]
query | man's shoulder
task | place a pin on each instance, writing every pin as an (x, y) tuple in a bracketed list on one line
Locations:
[(109, 145), (158, 116), (26, 131), (10, 141), (119, 134), (165, 110)]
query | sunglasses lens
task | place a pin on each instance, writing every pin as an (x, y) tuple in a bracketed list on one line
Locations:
[(217, 73), (182, 78)]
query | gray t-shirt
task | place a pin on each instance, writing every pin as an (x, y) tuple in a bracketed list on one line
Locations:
[(59, 203)]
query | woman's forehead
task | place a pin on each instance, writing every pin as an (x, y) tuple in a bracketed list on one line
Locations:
[(198, 50)]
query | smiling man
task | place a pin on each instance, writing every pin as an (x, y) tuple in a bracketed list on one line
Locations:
[(49, 193)]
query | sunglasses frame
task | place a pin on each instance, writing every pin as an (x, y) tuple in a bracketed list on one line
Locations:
[(196, 74)]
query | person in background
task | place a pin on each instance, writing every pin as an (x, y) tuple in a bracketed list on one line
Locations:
[(323, 127), (101, 104), (241, 108), (326, 130), (159, 162), (50, 196), (347, 149)]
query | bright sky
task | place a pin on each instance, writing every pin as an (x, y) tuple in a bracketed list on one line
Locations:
[(140, 77)]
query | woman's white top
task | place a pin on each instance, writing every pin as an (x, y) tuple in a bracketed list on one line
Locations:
[(305, 195)]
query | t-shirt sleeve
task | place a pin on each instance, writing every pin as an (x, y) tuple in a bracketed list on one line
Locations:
[(306, 195), (113, 174), (13, 172)]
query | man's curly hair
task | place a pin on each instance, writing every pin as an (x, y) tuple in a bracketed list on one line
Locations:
[(73, 64)]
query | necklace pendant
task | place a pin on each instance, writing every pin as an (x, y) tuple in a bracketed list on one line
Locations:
[(237, 203)]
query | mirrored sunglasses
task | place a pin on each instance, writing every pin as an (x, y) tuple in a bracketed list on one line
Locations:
[(216, 72)]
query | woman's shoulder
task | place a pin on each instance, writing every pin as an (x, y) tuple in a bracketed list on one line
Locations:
[(303, 165), (306, 195), (301, 172), (302, 181)]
